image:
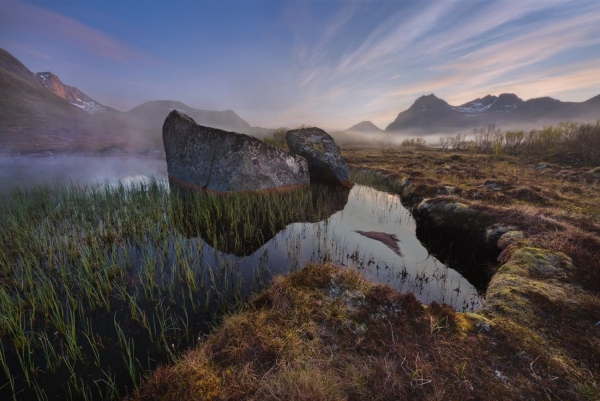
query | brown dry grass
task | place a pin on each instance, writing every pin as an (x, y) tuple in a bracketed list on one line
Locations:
[(326, 334)]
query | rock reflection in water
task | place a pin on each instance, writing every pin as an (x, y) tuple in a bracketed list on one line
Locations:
[(332, 228), (240, 224)]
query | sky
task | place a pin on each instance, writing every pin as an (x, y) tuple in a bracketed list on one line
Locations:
[(330, 64)]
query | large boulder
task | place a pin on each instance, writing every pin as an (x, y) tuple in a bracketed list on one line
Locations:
[(325, 163), (213, 160)]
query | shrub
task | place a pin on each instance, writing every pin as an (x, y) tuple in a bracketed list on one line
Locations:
[(418, 143), (575, 142), (278, 139)]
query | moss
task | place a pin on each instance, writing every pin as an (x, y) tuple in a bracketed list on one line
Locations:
[(318, 146), (469, 322), (537, 263), (530, 282)]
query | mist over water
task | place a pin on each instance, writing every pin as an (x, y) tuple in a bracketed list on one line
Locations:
[(26, 172)]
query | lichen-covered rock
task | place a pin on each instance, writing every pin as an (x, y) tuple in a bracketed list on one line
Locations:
[(209, 159), (325, 161)]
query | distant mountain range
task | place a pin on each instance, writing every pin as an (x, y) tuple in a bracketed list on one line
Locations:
[(38, 112), (430, 114)]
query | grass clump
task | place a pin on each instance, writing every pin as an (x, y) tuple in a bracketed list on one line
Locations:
[(322, 333), (325, 333)]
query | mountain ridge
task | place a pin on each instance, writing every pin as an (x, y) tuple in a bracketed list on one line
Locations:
[(430, 114), (39, 112), (71, 94)]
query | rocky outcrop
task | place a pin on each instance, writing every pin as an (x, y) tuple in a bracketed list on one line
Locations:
[(325, 162), (209, 159)]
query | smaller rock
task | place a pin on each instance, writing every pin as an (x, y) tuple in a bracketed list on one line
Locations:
[(494, 232), (542, 166), (493, 185), (447, 190), (325, 162), (510, 237), (5, 152)]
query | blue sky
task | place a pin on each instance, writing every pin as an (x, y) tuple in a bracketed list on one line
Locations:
[(326, 63)]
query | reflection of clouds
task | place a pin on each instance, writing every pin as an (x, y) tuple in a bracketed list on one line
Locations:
[(335, 240)]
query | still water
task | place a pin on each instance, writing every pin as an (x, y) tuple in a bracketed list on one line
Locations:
[(337, 238), (165, 294)]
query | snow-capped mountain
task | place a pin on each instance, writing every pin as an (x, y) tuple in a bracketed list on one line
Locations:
[(71, 94), (430, 114)]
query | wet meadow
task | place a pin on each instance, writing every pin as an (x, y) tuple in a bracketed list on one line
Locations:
[(100, 284)]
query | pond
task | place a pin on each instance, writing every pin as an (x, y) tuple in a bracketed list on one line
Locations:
[(99, 284)]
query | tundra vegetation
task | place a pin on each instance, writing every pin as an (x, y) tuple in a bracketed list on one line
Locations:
[(325, 333)]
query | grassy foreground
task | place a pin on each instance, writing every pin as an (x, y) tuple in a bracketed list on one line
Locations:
[(100, 283), (325, 333)]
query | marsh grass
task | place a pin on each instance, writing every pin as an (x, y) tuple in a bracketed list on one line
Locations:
[(102, 282)]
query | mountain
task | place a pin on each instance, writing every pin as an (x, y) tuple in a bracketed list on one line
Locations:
[(430, 114), (38, 112), (34, 119), (71, 94), (153, 113), (10, 64), (365, 127)]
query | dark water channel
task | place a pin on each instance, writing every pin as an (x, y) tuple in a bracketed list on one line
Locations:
[(166, 295)]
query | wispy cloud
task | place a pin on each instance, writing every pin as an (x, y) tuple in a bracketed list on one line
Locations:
[(395, 35), (37, 54), (49, 24), (462, 50)]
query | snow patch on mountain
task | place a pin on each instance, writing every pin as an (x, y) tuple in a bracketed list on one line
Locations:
[(475, 107), (90, 107)]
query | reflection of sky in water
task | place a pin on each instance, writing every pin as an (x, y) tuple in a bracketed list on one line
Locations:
[(334, 239)]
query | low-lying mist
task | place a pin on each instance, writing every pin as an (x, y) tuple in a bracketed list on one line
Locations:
[(30, 171)]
